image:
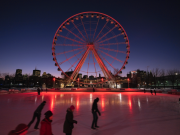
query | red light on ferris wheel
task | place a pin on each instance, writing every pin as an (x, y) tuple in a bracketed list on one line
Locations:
[(78, 79), (54, 79), (102, 79)]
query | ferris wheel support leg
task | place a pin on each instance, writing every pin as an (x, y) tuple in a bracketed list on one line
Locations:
[(78, 67), (102, 65)]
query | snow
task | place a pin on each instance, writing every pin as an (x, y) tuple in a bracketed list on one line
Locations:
[(122, 113)]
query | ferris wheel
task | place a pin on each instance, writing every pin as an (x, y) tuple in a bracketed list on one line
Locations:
[(90, 43)]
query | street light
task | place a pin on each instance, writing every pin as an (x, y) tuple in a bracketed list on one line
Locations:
[(128, 82), (102, 82), (78, 83)]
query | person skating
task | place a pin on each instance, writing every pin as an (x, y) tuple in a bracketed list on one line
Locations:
[(37, 114), (93, 89), (95, 110), (151, 92), (69, 122), (144, 91), (38, 90), (46, 90), (46, 128), (154, 91), (21, 129)]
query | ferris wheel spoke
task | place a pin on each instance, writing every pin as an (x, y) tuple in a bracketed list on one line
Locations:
[(84, 29), (101, 30), (79, 65), (78, 30), (79, 45), (110, 38), (111, 56), (105, 34), (88, 64), (69, 51), (74, 34), (73, 64), (70, 57), (96, 28), (112, 44), (71, 39), (112, 50), (94, 63), (107, 62)]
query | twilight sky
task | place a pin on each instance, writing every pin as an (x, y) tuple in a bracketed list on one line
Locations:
[(27, 28)]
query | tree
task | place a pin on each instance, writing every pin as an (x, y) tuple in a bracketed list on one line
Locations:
[(156, 73), (162, 77), (117, 77), (172, 75)]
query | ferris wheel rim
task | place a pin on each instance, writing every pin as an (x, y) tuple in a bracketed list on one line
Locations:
[(90, 12)]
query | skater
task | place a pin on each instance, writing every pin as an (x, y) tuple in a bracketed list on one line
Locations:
[(21, 129), (68, 124), (37, 114), (144, 91), (38, 90), (154, 91), (94, 112), (46, 90), (93, 89), (45, 128), (151, 92)]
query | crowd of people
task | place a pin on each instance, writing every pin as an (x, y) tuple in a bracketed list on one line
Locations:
[(45, 127)]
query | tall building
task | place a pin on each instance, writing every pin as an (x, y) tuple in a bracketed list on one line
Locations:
[(18, 72), (36, 72)]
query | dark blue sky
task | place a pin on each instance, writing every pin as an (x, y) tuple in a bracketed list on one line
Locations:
[(27, 28)]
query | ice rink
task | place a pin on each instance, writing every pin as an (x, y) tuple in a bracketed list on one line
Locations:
[(125, 113)]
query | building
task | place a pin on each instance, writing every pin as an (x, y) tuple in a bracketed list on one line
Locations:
[(18, 72), (36, 72)]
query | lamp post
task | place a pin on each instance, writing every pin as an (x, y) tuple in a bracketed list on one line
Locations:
[(54, 79), (128, 82), (102, 82), (78, 83)]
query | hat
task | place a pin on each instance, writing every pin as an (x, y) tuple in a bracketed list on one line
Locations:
[(72, 107), (44, 102), (48, 114), (21, 128)]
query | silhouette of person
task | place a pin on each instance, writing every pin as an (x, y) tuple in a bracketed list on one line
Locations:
[(46, 90), (95, 110), (151, 92), (69, 121), (144, 91), (46, 128), (154, 91), (38, 90), (37, 114), (93, 89)]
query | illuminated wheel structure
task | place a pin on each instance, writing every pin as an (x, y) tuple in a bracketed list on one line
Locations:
[(91, 43)]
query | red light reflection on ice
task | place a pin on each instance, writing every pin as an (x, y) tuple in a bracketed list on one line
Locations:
[(102, 103), (77, 103), (130, 105), (52, 104)]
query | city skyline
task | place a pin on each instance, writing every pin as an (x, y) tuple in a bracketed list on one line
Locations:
[(26, 37)]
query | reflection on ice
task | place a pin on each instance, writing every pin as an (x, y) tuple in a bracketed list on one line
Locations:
[(119, 110)]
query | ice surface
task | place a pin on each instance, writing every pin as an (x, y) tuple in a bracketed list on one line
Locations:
[(125, 113)]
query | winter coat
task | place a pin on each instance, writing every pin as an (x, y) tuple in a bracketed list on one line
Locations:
[(40, 107), (94, 106), (68, 124), (45, 128)]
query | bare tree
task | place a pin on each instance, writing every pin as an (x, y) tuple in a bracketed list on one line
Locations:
[(162, 76), (172, 75), (156, 73), (116, 77)]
